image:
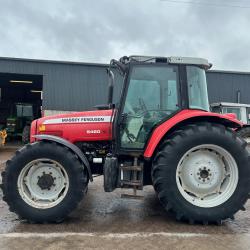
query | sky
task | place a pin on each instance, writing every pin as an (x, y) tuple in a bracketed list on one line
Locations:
[(99, 30)]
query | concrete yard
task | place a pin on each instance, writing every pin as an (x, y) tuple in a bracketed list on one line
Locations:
[(105, 221)]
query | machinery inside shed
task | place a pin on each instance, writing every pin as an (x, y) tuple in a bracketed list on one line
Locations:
[(20, 103)]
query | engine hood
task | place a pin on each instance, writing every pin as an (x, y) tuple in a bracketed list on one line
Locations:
[(78, 126)]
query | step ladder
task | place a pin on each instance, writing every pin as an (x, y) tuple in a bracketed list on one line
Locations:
[(136, 179)]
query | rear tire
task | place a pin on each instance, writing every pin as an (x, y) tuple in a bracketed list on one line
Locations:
[(26, 135), (44, 182), (192, 192)]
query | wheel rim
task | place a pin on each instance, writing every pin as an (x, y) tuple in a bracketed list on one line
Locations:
[(43, 183), (207, 175)]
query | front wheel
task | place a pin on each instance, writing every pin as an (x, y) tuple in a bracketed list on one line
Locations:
[(44, 182), (202, 173)]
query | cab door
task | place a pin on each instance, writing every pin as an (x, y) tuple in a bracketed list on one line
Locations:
[(151, 96)]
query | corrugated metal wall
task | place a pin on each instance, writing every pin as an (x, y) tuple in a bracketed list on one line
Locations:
[(80, 86), (223, 86)]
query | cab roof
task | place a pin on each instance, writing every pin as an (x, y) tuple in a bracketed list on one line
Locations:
[(170, 60)]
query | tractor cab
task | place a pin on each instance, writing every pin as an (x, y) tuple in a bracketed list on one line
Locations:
[(242, 111), (155, 89)]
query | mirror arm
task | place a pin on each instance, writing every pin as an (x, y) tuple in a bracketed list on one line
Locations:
[(110, 86)]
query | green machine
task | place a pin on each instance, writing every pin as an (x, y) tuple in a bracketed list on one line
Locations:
[(18, 123)]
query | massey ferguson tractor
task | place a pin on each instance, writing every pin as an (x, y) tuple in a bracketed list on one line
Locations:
[(161, 133)]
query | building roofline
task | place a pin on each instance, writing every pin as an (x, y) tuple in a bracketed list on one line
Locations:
[(101, 64), (52, 61), (230, 72)]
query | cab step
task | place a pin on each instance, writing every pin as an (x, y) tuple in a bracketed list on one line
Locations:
[(131, 183), (132, 178)]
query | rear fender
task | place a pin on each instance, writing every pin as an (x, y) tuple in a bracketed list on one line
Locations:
[(69, 145), (183, 118)]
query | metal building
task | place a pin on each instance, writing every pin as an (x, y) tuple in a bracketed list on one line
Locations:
[(73, 86)]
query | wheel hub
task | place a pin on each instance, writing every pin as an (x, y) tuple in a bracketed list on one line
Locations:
[(204, 175), (43, 183), (46, 181)]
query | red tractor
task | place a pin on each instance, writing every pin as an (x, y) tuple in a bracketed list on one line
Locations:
[(161, 133)]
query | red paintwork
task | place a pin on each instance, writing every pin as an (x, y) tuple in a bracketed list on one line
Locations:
[(33, 130), (161, 130), (75, 132)]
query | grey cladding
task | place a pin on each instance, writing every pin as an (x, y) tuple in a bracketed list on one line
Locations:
[(80, 86)]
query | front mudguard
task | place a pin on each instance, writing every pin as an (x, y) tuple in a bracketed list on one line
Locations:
[(69, 145)]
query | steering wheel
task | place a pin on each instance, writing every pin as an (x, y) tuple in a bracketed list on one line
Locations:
[(142, 104), (130, 136)]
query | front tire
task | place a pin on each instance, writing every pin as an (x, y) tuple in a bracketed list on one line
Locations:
[(202, 173), (44, 182)]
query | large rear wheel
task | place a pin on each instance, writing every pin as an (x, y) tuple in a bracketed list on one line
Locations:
[(44, 182), (202, 173)]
